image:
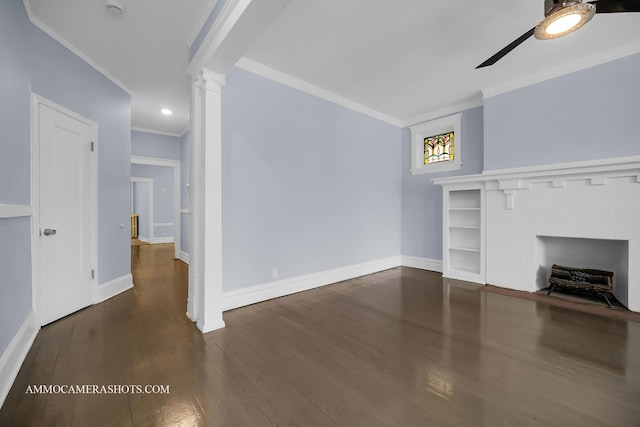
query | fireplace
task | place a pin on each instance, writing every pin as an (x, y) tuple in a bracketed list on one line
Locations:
[(583, 214)]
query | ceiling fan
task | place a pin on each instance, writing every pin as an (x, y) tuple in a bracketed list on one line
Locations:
[(564, 17)]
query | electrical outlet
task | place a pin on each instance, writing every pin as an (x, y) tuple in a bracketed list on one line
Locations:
[(274, 273)]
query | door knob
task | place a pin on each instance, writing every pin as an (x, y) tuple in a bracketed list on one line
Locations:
[(49, 232)]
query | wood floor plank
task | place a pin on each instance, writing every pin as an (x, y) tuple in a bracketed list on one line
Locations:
[(400, 347)]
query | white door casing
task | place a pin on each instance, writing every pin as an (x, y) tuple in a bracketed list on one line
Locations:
[(64, 194)]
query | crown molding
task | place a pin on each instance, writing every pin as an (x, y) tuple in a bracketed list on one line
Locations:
[(564, 69), (64, 42), (444, 111), (277, 76), (187, 129), (157, 132)]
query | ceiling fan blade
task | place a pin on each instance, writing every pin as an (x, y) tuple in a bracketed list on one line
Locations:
[(495, 58), (616, 6)]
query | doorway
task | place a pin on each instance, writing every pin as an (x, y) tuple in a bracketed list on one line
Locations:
[(174, 205), (142, 207)]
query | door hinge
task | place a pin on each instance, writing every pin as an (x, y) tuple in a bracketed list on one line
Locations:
[(93, 274), (93, 146)]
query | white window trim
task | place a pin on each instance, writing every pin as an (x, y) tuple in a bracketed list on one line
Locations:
[(434, 127)]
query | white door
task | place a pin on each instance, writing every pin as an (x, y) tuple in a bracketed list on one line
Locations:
[(65, 213)]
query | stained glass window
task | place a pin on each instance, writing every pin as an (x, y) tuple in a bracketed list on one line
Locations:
[(439, 148), (432, 145)]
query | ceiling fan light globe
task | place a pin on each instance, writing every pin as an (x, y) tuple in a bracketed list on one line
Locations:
[(564, 21), (563, 24)]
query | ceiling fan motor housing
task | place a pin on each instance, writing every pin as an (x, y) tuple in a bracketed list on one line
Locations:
[(552, 5)]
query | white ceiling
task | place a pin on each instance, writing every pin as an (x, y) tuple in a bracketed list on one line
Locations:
[(411, 57), (146, 49), (405, 59)]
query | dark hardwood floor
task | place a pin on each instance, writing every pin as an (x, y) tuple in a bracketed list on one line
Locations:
[(397, 348)]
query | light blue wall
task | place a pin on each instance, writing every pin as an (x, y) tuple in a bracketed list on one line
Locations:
[(15, 243), (15, 276), (163, 189), (31, 60), (185, 179), (15, 32), (586, 115), (147, 144), (307, 185), (422, 200)]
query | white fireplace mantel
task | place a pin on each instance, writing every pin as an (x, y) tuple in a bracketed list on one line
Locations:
[(597, 172), (587, 201)]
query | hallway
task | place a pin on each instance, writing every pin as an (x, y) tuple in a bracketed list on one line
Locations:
[(136, 337), (401, 347)]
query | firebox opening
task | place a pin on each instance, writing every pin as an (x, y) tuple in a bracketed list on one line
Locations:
[(600, 254)]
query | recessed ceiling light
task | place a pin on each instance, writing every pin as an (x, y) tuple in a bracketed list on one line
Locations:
[(115, 7), (166, 112)]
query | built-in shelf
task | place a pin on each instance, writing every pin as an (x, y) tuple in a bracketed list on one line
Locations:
[(463, 233), (464, 249), (469, 270)]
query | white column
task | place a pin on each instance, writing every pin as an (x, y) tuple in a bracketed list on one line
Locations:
[(194, 200), (205, 269)]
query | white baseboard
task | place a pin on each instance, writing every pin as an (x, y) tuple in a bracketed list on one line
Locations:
[(267, 291), (113, 287), (422, 263), (157, 240), (210, 326), (13, 357), (184, 257)]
